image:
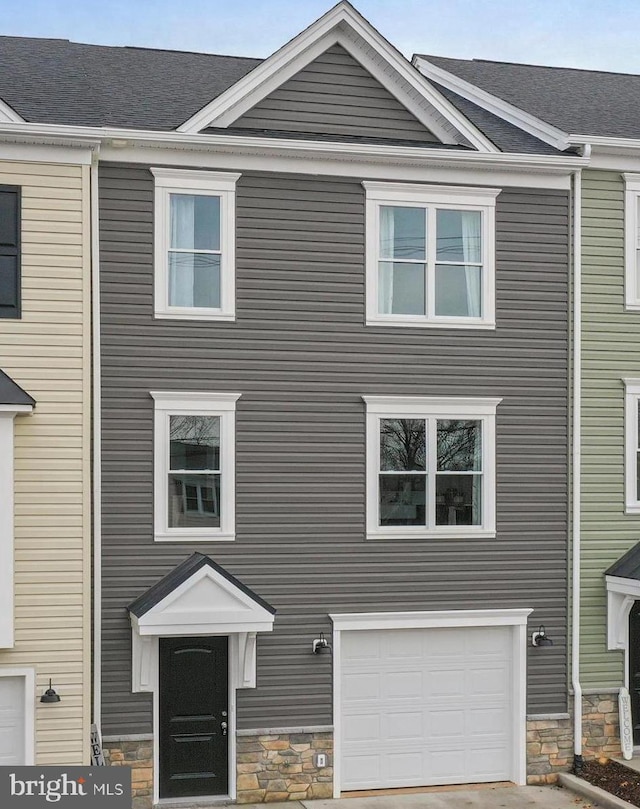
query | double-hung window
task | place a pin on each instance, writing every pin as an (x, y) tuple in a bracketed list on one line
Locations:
[(632, 445), (632, 241), (430, 255), (194, 469), (430, 467), (10, 294), (194, 244)]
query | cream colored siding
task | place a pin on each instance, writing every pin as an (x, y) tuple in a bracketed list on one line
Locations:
[(611, 351), (47, 352)]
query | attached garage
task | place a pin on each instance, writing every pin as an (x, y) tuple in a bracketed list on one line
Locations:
[(429, 698)]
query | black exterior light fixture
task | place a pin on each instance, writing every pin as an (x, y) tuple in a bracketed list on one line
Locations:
[(540, 637), (50, 695), (320, 644)]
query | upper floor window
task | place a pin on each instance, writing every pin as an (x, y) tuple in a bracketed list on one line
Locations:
[(430, 467), (194, 244), (632, 241), (194, 469), (430, 255), (10, 215), (632, 446)]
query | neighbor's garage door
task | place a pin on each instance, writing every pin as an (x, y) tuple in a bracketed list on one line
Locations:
[(426, 706), (12, 720)]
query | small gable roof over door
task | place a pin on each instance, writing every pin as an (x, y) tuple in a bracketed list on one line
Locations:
[(200, 597), (361, 49), (12, 395), (628, 566)]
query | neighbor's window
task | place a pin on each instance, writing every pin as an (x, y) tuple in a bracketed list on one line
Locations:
[(632, 445), (431, 466), (430, 255), (632, 241), (194, 465), (194, 244)]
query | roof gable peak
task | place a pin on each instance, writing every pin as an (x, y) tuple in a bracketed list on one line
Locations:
[(345, 26)]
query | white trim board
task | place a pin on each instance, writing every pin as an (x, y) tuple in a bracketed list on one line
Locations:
[(515, 618), (494, 104), (345, 26)]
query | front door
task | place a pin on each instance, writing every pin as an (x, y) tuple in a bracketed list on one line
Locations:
[(193, 753), (634, 669)]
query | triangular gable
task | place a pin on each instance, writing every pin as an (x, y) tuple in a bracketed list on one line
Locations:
[(335, 95), (200, 597), (8, 115), (343, 26)]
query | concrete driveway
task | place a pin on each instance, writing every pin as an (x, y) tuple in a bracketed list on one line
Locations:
[(547, 797)]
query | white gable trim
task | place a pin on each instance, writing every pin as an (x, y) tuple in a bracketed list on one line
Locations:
[(207, 603), (342, 25), (8, 114), (503, 109)]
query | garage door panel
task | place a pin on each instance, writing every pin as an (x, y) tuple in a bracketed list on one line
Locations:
[(12, 722), (444, 718)]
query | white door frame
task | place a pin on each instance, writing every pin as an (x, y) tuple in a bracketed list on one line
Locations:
[(514, 618), (29, 676)]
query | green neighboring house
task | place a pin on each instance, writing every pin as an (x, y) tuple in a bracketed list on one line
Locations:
[(589, 112)]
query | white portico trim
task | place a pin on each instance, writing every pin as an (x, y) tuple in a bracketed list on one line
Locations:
[(198, 598)]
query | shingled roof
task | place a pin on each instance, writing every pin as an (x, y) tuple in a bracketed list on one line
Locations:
[(55, 81), (586, 102), (12, 394)]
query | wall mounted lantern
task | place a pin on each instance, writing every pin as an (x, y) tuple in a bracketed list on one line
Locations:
[(319, 644), (540, 638), (50, 695)]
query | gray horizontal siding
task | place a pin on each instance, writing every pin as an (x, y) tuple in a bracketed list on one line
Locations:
[(301, 358), (335, 95)]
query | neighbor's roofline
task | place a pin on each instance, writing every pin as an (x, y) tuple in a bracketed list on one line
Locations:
[(544, 131)]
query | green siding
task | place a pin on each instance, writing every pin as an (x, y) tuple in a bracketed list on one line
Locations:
[(610, 351)]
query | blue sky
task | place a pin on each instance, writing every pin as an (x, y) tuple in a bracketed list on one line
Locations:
[(595, 34)]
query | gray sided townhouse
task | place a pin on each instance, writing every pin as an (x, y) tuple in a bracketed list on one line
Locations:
[(332, 336)]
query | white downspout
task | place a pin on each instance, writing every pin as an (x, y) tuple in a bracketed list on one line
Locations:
[(576, 462), (97, 454)]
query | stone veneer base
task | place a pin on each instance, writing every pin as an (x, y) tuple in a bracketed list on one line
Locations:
[(280, 766)]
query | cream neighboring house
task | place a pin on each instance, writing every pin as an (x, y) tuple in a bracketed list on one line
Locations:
[(45, 450)]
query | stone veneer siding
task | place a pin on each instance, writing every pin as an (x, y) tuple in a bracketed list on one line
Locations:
[(138, 755), (281, 767), (550, 741)]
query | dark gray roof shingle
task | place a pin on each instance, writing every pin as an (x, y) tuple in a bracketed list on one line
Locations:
[(55, 81), (12, 394), (628, 566), (585, 102)]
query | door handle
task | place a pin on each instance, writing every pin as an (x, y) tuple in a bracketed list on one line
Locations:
[(223, 728)]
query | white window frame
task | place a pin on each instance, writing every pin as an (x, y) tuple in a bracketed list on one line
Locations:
[(182, 403), (458, 198), (427, 407), (205, 183), (631, 404), (631, 241)]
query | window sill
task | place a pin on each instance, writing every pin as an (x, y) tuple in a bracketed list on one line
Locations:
[(632, 306), (196, 314), (632, 508), (200, 536), (419, 323), (455, 533)]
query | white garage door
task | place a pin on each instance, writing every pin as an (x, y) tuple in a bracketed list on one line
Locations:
[(12, 721), (426, 706)]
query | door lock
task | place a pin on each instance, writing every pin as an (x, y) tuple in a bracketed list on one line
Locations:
[(223, 728)]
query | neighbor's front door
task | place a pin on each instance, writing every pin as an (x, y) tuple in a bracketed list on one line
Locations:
[(634, 669), (193, 752)]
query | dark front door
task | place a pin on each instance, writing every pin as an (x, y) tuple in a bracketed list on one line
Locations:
[(634, 669), (193, 717)]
